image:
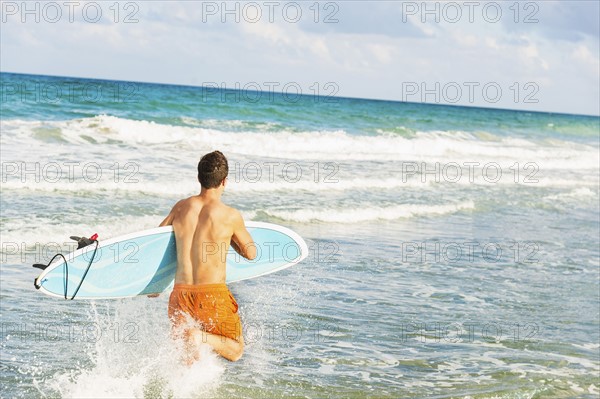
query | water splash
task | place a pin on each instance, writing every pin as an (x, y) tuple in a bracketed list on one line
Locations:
[(133, 356)]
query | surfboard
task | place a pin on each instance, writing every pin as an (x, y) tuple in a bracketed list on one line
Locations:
[(144, 263)]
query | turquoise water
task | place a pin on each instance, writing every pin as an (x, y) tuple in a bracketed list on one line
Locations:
[(453, 251)]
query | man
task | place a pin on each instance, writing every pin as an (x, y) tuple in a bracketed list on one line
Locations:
[(204, 228)]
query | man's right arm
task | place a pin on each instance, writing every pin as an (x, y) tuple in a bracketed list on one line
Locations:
[(167, 222), (169, 219), (241, 240)]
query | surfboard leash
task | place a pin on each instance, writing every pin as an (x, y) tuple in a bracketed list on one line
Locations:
[(87, 269), (82, 242)]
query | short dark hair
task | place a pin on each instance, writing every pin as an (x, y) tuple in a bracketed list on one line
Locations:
[(212, 169)]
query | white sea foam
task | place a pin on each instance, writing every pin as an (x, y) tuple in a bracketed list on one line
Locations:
[(364, 214), (588, 346), (170, 187), (577, 194), (167, 186), (323, 145)]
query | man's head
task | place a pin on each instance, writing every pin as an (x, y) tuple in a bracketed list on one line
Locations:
[(212, 169)]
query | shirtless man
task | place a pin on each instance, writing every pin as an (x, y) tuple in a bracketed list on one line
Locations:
[(204, 228)]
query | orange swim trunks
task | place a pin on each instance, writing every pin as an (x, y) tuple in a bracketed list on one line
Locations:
[(212, 305)]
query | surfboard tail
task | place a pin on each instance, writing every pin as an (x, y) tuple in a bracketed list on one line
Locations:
[(81, 243)]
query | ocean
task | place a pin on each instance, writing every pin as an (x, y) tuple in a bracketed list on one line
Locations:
[(453, 251)]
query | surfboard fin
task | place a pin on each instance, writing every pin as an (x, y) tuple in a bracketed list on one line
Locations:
[(83, 241), (40, 266)]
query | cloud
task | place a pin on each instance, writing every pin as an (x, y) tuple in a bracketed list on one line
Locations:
[(555, 20), (383, 18), (383, 53), (583, 54), (530, 56)]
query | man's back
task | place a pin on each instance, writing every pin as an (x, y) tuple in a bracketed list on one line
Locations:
[(204, 228)]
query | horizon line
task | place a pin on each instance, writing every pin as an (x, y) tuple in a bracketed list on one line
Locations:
[(312, 95)]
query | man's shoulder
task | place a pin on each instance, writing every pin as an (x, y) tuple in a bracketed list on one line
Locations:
[(231, 212), (189, 200), (186, 204), (229, 209)]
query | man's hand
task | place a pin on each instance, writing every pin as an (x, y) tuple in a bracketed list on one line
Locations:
[(153, 295)]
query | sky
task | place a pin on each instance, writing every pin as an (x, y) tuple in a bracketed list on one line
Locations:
[(541, 56)]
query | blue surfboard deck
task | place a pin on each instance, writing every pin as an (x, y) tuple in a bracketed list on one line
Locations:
[(144, 263)]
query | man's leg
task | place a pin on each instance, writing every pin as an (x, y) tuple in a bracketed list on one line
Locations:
[(230, 349), (191, 350)]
